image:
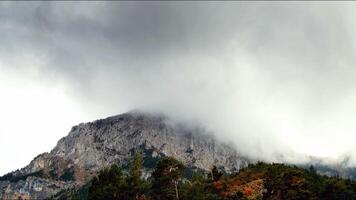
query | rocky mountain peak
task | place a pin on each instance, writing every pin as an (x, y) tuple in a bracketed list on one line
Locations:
[(91, 146)]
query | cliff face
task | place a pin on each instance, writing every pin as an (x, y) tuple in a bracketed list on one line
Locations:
[(91, 146)]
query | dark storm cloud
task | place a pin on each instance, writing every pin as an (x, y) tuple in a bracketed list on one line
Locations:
[(263, 75)]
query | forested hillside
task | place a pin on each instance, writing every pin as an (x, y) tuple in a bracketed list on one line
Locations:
[(172, 180)]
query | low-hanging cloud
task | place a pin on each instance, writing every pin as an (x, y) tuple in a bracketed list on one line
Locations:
[(276, 79)]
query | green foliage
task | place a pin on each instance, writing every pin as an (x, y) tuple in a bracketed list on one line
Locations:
[(136, 185), (335, 188), (256, 181), (109, 184), (68, 175), (215, 174), (198, 188), (165, 178), (287, 183), (135, 168), (72, 193), (82, 193)]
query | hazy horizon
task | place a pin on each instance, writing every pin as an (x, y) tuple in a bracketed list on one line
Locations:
[(277, 79)]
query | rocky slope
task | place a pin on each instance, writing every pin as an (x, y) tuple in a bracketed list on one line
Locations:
[(91, 146)]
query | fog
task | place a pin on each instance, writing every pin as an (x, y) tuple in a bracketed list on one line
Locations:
[(276, 79)]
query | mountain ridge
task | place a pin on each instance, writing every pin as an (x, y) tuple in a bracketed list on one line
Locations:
[(93, 145)]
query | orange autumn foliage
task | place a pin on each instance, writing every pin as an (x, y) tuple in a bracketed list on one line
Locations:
[(247, 191), (218, 185)]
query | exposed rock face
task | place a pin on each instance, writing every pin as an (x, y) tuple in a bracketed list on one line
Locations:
[(32, 188), (91, 146)]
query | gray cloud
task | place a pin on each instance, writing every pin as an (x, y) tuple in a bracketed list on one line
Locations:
[(274, 78)]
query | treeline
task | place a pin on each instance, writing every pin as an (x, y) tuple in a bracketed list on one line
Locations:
[(257, 181)]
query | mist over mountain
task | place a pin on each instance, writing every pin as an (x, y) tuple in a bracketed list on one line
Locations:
[(90, 147), (274, 79)]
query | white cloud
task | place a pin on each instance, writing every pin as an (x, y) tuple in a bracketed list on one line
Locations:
[(277, 79), (34, 117)]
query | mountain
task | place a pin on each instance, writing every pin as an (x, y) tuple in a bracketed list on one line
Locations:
[(89, 147), (341, 169)]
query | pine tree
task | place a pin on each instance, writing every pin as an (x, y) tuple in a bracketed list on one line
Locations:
[(109, 184), (165, 179), (215, 174), (137, 186)]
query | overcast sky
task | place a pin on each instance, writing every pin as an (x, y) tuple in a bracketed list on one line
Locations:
[(278, 79)]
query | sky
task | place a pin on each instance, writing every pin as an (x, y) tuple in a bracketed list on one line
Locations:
[(276, 79)]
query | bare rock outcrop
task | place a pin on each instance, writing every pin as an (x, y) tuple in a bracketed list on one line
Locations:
[(91, 146)]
